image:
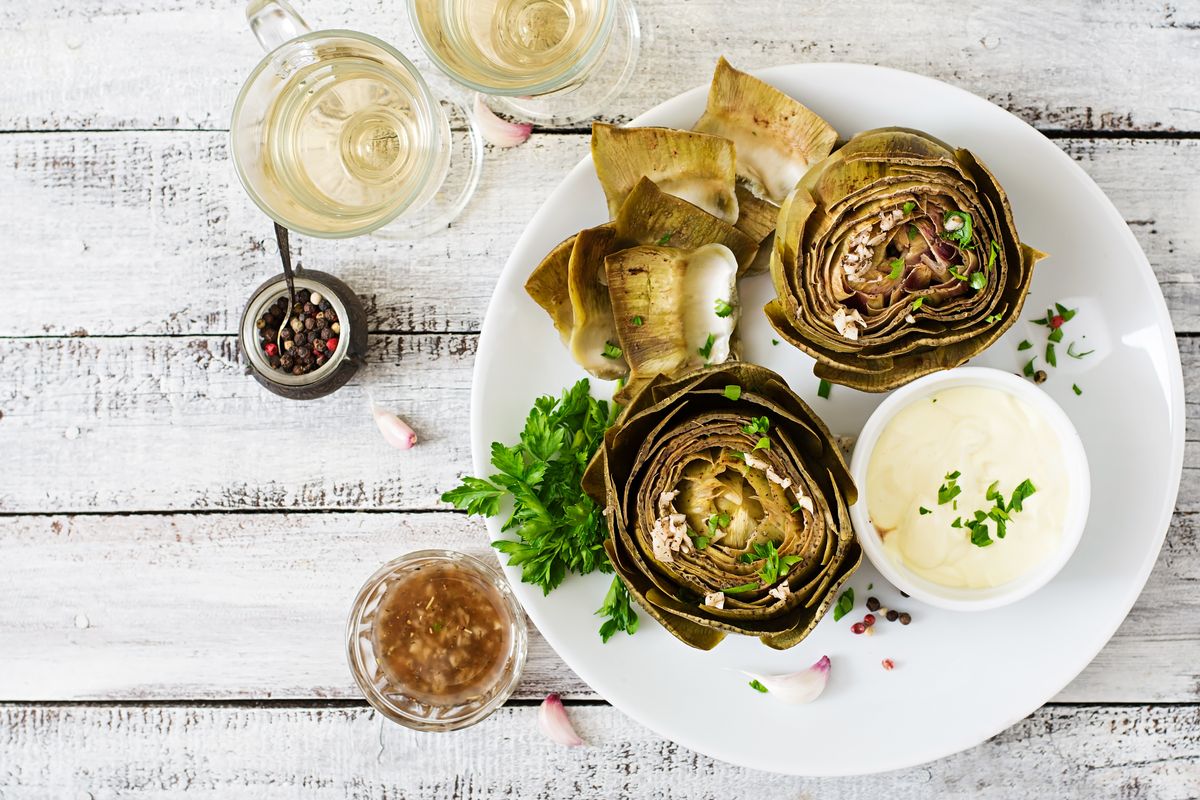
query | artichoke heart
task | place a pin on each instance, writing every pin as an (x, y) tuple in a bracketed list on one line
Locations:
[(777, 137), (674, 309), (692, 166), (895, 257), (651, 216), (593, 342), (726, 516)]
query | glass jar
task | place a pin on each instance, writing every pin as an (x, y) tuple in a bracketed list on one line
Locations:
[(439, 664), (341, 364)]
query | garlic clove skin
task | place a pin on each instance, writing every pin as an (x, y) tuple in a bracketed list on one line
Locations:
[(553, 720), (394, 430), (495, 130), (796, 687)]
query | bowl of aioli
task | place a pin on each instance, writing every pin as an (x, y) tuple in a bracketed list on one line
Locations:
[(973, 488)]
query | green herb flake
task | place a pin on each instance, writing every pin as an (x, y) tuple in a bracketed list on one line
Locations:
[(870, 586), (991, 262), (1025, 345), (757, 425), (638, 321), (438, 626), (733, 392), (744, 587), (957, 523), (908, 207), (1071, 352), (610, 350), (823, 389), (1029, 370), (1051, 358), (963, 236), (897, 269), (706, 350), (845, 604), (916, 304), (666, 237), (923, 510), (619, 612), (913, 233), (1075, 388), (958, 275), (978, 280), (993, 491), (1056, 335), (757, 686), (722, 308), (763, 444), (979, 535), (1066, 313), (775, 342)]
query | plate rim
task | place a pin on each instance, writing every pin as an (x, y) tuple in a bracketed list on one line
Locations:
[(1176, 417)]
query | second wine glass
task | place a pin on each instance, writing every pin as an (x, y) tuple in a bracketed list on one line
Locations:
[(545, 61)]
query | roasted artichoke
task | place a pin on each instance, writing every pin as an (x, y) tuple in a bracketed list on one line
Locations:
[(895, 257), (727, 503)]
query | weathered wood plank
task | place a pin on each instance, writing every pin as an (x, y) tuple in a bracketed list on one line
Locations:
[(1061, 753), (275, 590), (68, 66), (150, 233), (172, 424)]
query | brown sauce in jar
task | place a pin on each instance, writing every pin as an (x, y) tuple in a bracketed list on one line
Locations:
[(443, 635)]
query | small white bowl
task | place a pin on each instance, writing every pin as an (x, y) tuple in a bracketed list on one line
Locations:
[(964, 599)]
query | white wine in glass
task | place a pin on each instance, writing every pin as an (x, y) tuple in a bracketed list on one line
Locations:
[(540, 60)]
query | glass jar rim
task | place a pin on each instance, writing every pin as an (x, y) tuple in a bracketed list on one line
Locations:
[(271, 294), (552, 84), (518, 648), (430, 121)]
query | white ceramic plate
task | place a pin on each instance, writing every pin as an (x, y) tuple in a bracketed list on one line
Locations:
[(960, 678)]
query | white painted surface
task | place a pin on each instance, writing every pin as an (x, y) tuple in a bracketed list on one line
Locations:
[(145, 236)]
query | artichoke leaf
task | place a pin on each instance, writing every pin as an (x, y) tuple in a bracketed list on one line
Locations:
[(593, 341), (777, 137), (693, 166), (547, 286)]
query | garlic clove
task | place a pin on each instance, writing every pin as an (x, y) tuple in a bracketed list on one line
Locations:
[(552, 719), (796, 687), (395, 431), (495, 130)]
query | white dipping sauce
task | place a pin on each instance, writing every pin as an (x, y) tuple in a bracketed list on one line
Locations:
[(987, 435)]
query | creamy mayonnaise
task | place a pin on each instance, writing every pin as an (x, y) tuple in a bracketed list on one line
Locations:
[(987, 435)]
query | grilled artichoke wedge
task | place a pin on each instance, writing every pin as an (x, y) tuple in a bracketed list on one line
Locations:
[(777, 137), (895, 257), (727, 509), (593, 341), (693, 166), (674, 310), (547, 285)]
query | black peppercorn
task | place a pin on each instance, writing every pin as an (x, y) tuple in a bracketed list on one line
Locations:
[(287, 362), (286, 334), (326, 333), (309, 308), (326, 305), (872, 604), (309, 323), (905, 618), (300, 338), (892, 615), (303, 295), (321, 360), (318, 345), (270, 334), (297, 370), (331, 315)]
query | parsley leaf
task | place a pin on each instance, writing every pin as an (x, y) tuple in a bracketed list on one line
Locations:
[(916, 304), (610, 350), (897, 269), (845, 604), (961, 237), (722, 308), (757, 425), (1051, 359), (757, 686), (1025, 345), (618, 610), (638, 321), (666, 237), (1075, 388), (706, 349), (823, 389), (978, 280), (733, 391), (908, 207)]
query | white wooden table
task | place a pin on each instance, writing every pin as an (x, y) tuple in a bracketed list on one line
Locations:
[(172, 593)]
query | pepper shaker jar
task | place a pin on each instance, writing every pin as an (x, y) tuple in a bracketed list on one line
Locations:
[(340, 365)]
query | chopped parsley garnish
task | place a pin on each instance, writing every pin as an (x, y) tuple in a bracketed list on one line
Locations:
[(979, 534), (1025, 345), (1056, 335), (706, 349), (717, 521), (950, 489), (733, 391), (763, 444), (999, 514), (757, 425), (775, 342), (666, 237), (916, 304), (1064, 312), (955, 273), (991, 262), (923, 510), (757, 686), (1071, 352), (897, 269), (823, 389), (992, 318), (744, 587), (1029, 370), (962, 236), (1075, 388), (845, 604), (722, 308), (908, 207), (699, 541), (556, 527), (610, 350), (978, 280), (957, 523), (1051, 358), (618, 610), (638, 321), (773, 566), (913, 233)]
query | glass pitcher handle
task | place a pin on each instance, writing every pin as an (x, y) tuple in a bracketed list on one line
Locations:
[(274, 22)]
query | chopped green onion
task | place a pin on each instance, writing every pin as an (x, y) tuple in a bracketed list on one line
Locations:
[(1071, 352)]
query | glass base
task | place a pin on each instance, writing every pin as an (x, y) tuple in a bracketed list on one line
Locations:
[(462, 178), (587, 99)]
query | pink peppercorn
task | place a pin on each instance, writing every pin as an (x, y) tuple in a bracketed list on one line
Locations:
[(888, 664), (857, 627)]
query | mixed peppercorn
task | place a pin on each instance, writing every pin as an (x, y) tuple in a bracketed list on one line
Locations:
[(302, 341)]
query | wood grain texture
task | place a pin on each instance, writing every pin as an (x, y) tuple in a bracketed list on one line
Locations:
[(150, 233), (338, 753), (1074, 64), (275, 590), (172, 424)]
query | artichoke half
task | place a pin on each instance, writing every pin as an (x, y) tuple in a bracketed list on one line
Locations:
[(895, 257), (572, 285), (727, 503)]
